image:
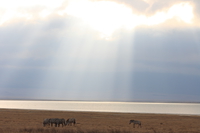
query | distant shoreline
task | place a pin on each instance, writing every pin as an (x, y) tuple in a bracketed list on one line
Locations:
[(96, 112), (139, 101), (115, 107)]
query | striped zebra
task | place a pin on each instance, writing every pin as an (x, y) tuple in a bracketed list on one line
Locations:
[(135, 122), (70, 121), (57, 122), (62, 122), (46, 122), (54, 121)]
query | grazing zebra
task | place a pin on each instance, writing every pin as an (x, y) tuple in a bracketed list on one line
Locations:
[(70, 121), (46, 122), (55, 121), (135, 122), (62, 122)]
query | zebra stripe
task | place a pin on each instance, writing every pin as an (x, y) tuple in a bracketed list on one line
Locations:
[(70, 121), (135, 122), (57, 122), (46, 122)]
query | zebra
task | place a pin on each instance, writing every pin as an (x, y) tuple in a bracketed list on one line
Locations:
[(70, 121), (53, 121), (135, 122), (57, 122), (61, 121), (46, 122)]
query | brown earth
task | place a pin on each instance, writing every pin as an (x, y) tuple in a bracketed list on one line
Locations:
[(31, 121)]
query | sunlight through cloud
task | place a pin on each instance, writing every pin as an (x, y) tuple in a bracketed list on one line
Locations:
[(103, 16), (106, 17), (183, 11), (13, 10), (86, 49)]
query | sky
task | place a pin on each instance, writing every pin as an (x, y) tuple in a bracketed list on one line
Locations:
[(100, 50)]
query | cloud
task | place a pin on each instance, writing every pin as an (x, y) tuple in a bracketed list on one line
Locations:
[(71, 43), (106, 22), (197, 11), (59, 39), (138, 6), (172, 50), (63, 55)]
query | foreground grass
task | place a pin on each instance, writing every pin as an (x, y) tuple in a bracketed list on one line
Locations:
[(54, 130), (79, 130), (93, 130), (31, 121), (64, 130)]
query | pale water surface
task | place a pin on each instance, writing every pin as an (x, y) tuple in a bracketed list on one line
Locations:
[(125, 107)]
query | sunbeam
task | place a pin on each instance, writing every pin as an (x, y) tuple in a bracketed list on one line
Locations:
[(100, 49), (115, 16)]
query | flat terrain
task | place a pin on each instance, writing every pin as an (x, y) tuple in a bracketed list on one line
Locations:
[(30, 121)]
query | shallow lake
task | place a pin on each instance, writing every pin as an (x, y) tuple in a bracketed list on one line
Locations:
[(124, 107)]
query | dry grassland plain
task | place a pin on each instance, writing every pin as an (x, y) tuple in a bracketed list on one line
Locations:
[(31, 121)]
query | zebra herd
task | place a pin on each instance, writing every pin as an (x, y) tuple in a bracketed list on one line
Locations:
[(72, 121), (57, 122)]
